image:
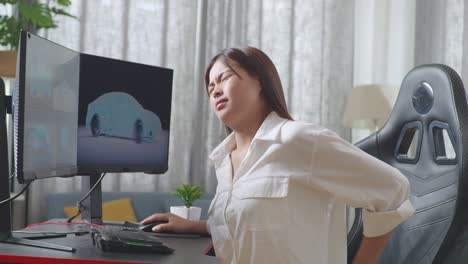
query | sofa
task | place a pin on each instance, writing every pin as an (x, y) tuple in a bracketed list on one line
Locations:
[(143, 203)]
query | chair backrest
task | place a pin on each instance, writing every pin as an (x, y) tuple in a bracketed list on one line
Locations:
[(426, 138)]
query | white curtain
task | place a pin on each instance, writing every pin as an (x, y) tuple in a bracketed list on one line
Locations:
[(384, 47), (394, 36), (310, 42), (441, 35)]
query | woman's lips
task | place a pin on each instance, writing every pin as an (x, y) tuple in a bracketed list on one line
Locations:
[(221, 104)]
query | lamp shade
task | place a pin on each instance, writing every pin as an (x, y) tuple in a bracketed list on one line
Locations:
[(368, 106), (8, 63)]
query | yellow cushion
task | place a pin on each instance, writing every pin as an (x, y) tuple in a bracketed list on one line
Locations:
[(116, 210)]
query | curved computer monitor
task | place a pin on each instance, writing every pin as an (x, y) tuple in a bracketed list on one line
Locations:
[(45, 109), (82, 114)]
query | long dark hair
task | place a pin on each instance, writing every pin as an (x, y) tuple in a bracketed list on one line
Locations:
[(258, 65)]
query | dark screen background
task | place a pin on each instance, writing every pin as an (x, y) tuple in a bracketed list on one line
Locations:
[(151, 86)]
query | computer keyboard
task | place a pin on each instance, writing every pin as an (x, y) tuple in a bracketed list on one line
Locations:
[(127, 239)]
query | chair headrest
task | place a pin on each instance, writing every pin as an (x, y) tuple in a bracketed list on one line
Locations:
[(425, 118)]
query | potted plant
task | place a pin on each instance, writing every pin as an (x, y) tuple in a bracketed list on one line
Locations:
[(29, 15), (189, 194)]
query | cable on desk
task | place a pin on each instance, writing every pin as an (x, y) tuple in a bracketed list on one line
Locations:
[(18, 194), (11, 176), (80, 202), (46, 232), (62, 223)]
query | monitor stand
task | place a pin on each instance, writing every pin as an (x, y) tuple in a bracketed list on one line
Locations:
[(92, 211), (6, 235)]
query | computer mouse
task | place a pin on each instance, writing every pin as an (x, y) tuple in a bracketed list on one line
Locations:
[(149, 227)]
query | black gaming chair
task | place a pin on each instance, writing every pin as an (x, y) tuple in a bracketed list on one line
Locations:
[(426, 138)]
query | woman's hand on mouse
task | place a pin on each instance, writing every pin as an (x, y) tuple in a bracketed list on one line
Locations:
[(175, 223)]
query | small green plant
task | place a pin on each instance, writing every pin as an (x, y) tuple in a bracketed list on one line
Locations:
[(188, 193), (31, 16)]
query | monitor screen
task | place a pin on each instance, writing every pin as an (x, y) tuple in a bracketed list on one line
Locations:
[(124, 116), (45, 109)]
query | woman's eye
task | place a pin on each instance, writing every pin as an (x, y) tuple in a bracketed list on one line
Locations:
[(226, 77)]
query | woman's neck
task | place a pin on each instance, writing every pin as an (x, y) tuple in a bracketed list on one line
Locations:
[(245, 133)]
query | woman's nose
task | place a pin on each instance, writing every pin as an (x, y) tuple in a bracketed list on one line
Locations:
[(217, 92)]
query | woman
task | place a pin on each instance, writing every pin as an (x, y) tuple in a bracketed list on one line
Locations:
[(283, 185)]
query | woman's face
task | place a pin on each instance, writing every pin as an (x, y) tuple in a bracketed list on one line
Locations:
[(233, 98)]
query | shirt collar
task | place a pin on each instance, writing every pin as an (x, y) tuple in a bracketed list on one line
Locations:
[(268, 131)]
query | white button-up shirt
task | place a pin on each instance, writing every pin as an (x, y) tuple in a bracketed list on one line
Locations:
[(287, 201)]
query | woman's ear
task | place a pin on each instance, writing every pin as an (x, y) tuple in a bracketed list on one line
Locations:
[(260, 84)]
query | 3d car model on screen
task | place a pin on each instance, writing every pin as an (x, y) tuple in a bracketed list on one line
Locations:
[(118, 114)]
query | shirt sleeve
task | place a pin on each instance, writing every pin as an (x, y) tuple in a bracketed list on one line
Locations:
[(361, 181), (208, 227)]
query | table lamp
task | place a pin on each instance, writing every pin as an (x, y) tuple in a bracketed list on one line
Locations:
[(368, 107)]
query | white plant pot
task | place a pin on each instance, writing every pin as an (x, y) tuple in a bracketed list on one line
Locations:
[(192, 213)]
